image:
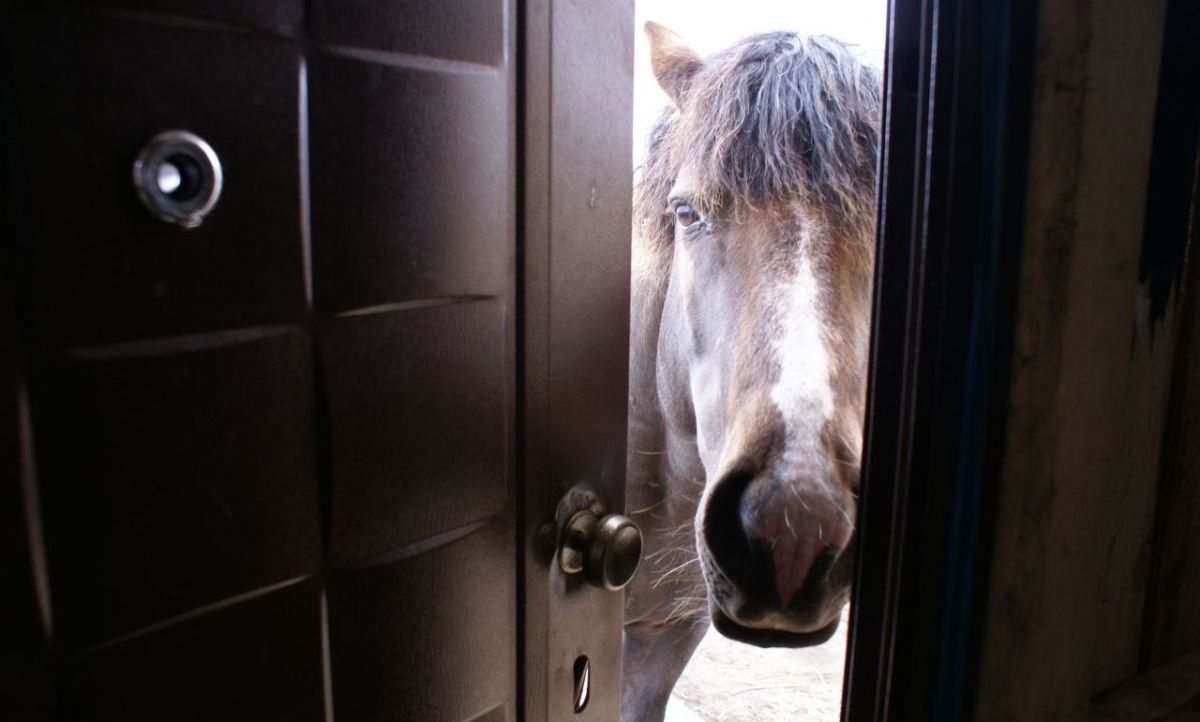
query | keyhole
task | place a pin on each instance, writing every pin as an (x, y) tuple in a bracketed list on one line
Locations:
[(583, 683)]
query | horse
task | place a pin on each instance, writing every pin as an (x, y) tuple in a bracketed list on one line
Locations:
[(753, 254)]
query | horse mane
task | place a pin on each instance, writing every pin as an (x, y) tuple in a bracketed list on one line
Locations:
[(777, 116)]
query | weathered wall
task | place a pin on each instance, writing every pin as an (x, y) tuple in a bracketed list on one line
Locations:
[(1089, 395), (1172, 227), (1173, 599)]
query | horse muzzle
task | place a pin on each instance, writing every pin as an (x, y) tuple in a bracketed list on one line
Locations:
[(778, 559)]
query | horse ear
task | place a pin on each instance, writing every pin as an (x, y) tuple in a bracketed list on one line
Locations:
[(673, 62)]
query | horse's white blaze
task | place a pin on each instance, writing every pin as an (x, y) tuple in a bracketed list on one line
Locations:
[(803, 393)]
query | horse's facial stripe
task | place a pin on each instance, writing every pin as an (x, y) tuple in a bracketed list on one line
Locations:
[(803, 392)]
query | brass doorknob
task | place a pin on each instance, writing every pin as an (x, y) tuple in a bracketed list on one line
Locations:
[(606, 550)]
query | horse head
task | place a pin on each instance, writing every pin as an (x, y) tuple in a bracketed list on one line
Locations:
[(755, 213)]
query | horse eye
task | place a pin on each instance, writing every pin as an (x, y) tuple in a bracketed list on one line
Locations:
[(685, 215)]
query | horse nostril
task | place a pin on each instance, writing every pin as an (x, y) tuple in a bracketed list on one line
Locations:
[(723, 533)]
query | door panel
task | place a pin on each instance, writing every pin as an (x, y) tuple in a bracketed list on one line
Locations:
[(430, 635), (175, 480), (259, 659), (417, 421), (25, 678), (411, 192), (281, 17), (254, 506), (98, 268), (474, 31)]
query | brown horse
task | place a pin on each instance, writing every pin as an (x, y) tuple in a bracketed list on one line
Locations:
[(754, 231)]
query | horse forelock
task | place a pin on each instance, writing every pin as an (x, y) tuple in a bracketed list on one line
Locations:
[(776, 119)]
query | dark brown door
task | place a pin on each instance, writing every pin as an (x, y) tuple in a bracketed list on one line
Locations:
[(298, 462)]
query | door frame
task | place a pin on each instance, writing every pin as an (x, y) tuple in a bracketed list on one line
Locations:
[(958, 82), (958, 85)]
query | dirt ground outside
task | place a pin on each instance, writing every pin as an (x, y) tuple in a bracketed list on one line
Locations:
[(731, 682)]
